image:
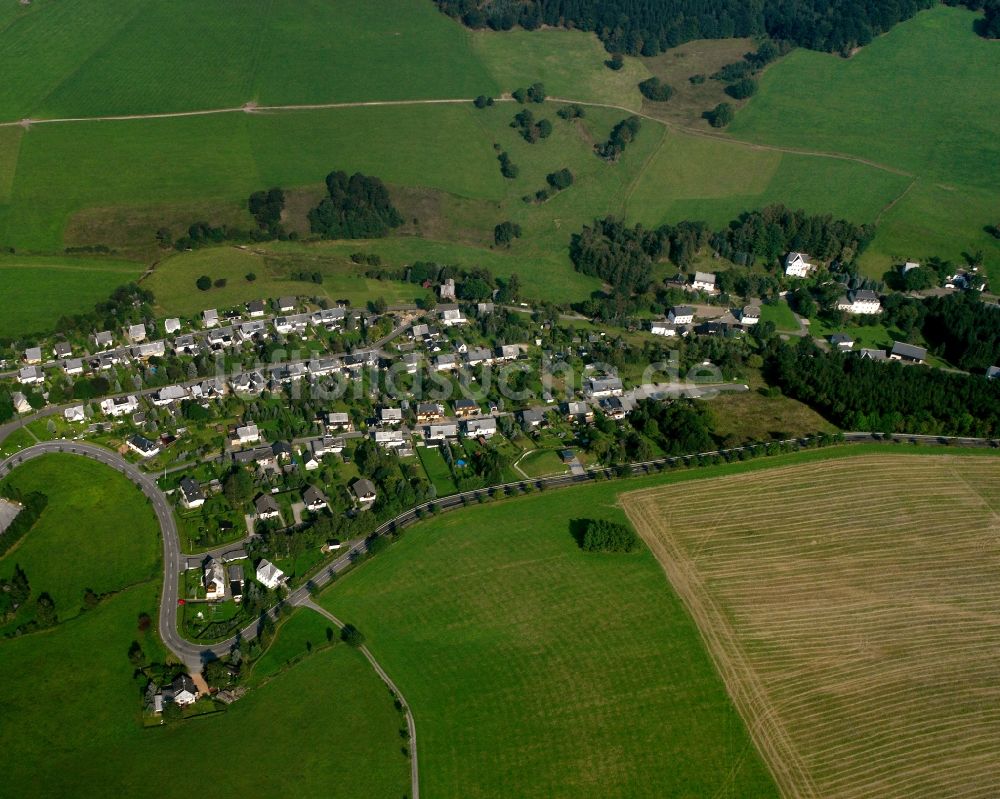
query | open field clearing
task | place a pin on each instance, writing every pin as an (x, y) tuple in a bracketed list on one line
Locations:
[(534, 669), (850, 607), (97, 532), (896, 102), (37, 291)]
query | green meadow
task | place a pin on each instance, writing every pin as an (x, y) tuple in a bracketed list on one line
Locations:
[(534, 669), (118, 546), (37, 291)]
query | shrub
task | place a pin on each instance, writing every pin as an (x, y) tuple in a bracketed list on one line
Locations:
[(204, 282), (616, 62), (352, 636), (742, 89), (656, 90), (604, 536), (720, 116)]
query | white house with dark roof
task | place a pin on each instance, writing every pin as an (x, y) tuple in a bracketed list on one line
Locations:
[(868, 354), (286, 304), (269, 575), (62, 349), (150, 349), (209, 317), (797, 264), (681, 315), (119, 406), (144, 446), (30, 375), (662, 328), (191, 494), (485, 427), (390, 416), (598, 387), (392, 439), (246, 434), (314, 499), (214, 578), (266, 507), (73, 366), (256, 308), (861, 301), (181, 692), (749, 315), (451, 315), (842, 342), (364, 491), (704, 281)]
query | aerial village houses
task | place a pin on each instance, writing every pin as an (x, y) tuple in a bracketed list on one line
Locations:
[(364, 491), (314, 499), (908, 353), (861, 301), (704, 281), (681, 315), (119, 406), (269, 575), (266, 507), (191, 494)]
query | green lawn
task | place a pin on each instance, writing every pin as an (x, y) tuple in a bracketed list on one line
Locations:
[(896, 101), (534, 669), (780, 314), (97, 532), (37, 291), (437, 470), (298, 635), (542, 462)]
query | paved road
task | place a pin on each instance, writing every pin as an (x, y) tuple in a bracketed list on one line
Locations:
[(411, 725)]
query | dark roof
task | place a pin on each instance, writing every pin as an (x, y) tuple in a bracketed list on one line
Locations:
[(142, 443), (183, 683), (265, 504), (466, 403), (909, 351), (191, 489), (363, 487), (235, 573), (312, 495)]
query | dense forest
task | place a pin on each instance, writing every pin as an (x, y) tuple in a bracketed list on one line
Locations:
[(858, 394), (357, 207), (648, 27)]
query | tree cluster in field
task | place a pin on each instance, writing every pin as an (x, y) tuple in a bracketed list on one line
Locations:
[(989, 26), (505, 233), (721, 115), (656, 90), (473, 285), (621, 135), (859, 394), (601, 535), (959, 327), (531, 130), (535, 93), (508, 168), (570, 112), (356, 207), (557, 181), (483, 101), (14, 592), (369, 259), (266, 208), (677, 428), (616, 62), (639, 27)]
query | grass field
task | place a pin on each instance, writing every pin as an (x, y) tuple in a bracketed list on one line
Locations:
[(437, 470), (780, 314), (738, 418), (298, 635), (117, 546), (896, 102), (850, 607), (534, 669), (37, 291)]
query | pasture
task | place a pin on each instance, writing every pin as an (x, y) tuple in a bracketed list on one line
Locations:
[(97, 532), (37, 291), (534, 669), (849, 606)]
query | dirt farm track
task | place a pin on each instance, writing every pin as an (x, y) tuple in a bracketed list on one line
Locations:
[(852, 607)]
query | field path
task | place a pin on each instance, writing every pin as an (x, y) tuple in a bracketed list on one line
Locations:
[(253, 108), (410, 724)]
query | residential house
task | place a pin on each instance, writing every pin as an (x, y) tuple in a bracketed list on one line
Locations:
[(209, 318), (234, 554), (478, 355), (909, 265), (484, 308), (451, 315), (446, 291), (314, 499), (74, 414), (364, 491), (613, 408), (181, 692), (329, 318), (577, 412), (266, 507), (31, 375), (704, 281), (21, 404), (235, 575), (103, 339), (390, 416), (862, 301), (33, 355), (221, 338), (412, 362), (256, 308), (598, 387), (465, 408), (681, 315), (485, 427), (420, 331), (119, 406), (440, 432), (269, 575), (172, 325), (286, 304), (292, 325), (215, 580), (445, 362), (62, 350), (169, 394), (907, 352), (135, 333), (797, 264), (318, 367), (872, 355), (281, 451), (142, 445), (185, 345), (392, 439), (289, 373), (842, 342), (245, 434), (249, 331), (429, 411), (662, 328), (191, 494), (73, 366), (149, 349), (532, 417), (338, 420), (749, 315), (249, 383)]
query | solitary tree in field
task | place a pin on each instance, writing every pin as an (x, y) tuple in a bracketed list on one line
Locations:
[(204, 283)]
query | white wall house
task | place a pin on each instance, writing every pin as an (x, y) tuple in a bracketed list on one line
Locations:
[(704, 281), (119, 406), (797, 264), (681, 315), (862, 301)]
